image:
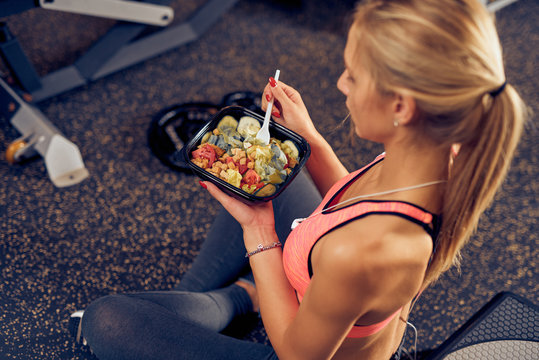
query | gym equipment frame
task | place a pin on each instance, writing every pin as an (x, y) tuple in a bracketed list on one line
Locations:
[(121, 47)]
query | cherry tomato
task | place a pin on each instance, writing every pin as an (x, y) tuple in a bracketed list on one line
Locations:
[(251, 177), (205, 152), (242, 168)]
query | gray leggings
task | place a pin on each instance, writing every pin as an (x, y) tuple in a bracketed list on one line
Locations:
[(185, 323)]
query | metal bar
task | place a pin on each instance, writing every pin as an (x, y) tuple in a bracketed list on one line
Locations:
[(134, 11), (100, 52), (58, 82), (166, 39), (148, 47), (17, 62)]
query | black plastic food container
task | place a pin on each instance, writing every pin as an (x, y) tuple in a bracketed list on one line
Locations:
[(276, 130)]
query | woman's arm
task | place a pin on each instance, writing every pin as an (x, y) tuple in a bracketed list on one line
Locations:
[(290, 111), (324, 166), (314, 330)]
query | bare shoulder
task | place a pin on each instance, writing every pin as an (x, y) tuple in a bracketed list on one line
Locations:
[(383, 256)]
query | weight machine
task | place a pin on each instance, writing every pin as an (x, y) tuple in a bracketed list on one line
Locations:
[(121, 47)]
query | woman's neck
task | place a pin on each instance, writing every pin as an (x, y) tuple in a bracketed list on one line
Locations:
[(403, 167), (413, 165)]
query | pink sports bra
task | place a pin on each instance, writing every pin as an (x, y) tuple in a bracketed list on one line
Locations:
[(299, 244)]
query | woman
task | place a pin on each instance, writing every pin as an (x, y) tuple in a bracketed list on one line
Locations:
[(424, 78)]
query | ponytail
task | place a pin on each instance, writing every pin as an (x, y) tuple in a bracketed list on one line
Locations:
[(476, 173)]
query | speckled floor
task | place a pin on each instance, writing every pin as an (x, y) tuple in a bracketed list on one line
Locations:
[(134, 224)]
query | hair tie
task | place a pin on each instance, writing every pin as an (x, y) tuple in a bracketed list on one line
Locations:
[(498, 90)]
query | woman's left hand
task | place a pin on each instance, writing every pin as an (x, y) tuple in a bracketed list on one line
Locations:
[(249, 216)]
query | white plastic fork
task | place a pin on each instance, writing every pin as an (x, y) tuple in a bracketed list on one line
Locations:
[(263, 134)]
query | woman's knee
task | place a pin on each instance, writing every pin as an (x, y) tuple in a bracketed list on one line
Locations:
[(105, 317)]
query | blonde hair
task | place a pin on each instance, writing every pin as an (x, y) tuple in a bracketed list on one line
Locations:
[(447, 55)]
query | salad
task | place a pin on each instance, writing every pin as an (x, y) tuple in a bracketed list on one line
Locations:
[(232, 153)]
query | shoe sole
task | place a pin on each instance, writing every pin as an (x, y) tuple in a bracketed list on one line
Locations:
[(75, 326)]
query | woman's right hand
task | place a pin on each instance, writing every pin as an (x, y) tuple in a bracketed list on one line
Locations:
[(288, 109)]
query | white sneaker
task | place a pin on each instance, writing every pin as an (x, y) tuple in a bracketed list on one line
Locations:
[(75, 327)]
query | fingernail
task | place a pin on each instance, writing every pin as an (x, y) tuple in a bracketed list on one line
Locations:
[(268, 97), (276, 114), (202, 184), (272, 82)]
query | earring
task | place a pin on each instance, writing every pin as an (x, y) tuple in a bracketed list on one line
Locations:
[(395, 122)]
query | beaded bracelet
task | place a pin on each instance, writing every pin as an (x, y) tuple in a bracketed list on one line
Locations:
[(261, 248)]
